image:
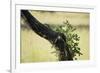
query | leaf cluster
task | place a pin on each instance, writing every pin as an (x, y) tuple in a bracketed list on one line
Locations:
[(72, 38)]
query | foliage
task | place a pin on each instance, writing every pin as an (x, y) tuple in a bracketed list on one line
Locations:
[(71, 37)]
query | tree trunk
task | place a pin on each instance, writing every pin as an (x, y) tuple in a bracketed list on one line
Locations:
[(56, 38)]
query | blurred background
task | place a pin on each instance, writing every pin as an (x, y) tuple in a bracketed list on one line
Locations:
[(37, 49)]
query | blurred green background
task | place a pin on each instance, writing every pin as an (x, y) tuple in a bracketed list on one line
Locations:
[(37, 49)]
